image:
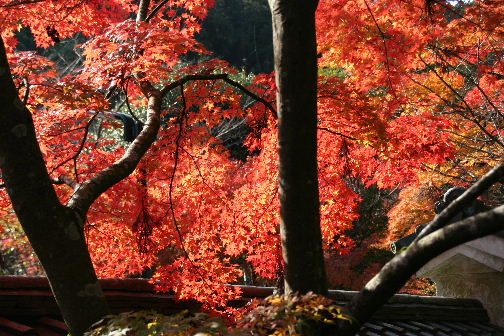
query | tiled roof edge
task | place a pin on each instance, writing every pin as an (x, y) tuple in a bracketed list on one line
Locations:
[(401, 306), (40, 282), (143, 285), (342, 295)]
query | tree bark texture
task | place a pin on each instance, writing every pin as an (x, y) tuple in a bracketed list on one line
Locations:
[(87, 192), (295, 51), (54, 230), (143, 9)]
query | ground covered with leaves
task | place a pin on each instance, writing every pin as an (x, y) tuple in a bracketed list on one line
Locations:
[(309, 314)]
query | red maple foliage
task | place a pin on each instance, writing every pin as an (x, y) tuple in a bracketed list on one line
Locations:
[(396, 83)]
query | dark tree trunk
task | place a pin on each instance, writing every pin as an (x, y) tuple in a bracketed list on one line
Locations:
[(54, 230), (296, 77)]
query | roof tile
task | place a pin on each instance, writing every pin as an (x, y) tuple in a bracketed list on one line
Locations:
[(16, 328), (27, 307)]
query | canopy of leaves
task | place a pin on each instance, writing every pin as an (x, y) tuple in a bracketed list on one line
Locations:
[(408, 100)]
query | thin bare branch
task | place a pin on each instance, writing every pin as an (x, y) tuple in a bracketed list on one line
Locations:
[(155, 10), (445, 174), (225, 78), (21, 2), (253, 95), (385, 49), (475, 149), (336, 133), (126, 100), (465, 170), (471, 78), (81, 146), (459, 96), (175, 166), (448, 103), (172, 180), (67, 131)]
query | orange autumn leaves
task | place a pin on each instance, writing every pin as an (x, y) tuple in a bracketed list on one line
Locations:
[(395, 85)]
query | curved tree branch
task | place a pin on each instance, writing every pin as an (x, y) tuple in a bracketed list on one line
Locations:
[(88, 191), (21, 2), (464, 200), (251, 94), (225, 78), (397, 271), (336, 133)]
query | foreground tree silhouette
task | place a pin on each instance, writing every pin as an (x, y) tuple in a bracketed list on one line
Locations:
[(55, 231), (293, 31)]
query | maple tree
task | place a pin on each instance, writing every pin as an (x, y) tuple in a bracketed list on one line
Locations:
[(406, 56), (400, 91)]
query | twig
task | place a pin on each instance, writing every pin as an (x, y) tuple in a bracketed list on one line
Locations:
[(490, 154), (336, 133), (67, 131), (125, 89), (79, 150), (471, 78), (253, 95), (431, 68), (466, 171), (383, 36), (445, 174), (448, 103), (172, 179), (203, 180), (21, 2), (155, 10), (225, 78)]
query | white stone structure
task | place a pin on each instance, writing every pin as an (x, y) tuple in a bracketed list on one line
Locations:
[(472, 270)]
